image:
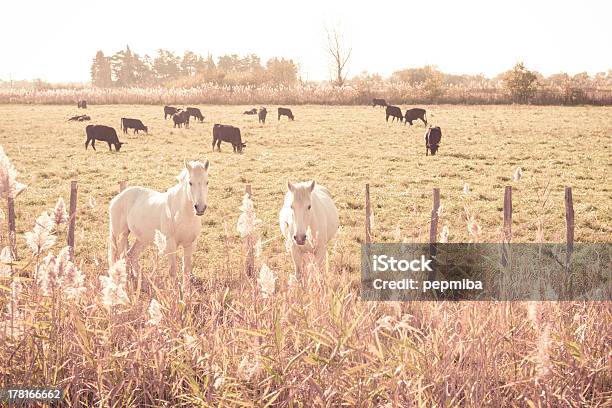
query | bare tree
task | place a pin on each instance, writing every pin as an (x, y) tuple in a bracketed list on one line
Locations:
[(340, 54)]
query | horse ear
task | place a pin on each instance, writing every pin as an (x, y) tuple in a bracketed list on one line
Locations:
[(206, 164), (312, 186), (187, 165), (290, 186)]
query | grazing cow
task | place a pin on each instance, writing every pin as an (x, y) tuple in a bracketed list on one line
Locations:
[(82, 104), (136, 124), (227, 133), (414, 114), (169, 111), (80, 118), (394, 111), (196, 113), (180, 118), (250, 112), (285, 112), (433, 136), (104, 134), (378, 102), (263, 112)]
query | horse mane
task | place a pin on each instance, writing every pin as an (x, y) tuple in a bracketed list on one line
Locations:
[(301, 191), (182, 177)]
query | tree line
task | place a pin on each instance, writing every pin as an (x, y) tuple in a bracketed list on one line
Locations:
[(520, 83), (126, 68)]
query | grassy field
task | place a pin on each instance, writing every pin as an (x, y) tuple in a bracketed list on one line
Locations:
[(342, 148), (226, 344)]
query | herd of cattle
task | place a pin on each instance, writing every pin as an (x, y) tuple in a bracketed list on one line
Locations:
[(231, 134), (433, 135)]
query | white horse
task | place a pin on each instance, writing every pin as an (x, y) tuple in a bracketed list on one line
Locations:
[(308, 207), (175, 213)]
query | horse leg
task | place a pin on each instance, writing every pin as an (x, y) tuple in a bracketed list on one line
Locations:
[(171, 252), (132, 256), (187, 266), (297, 257), (320, 257)]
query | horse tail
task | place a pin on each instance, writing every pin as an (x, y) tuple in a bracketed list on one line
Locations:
[(117, 236), (113, 245), (112, 249)]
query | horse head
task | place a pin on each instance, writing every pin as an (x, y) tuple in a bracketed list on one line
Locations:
[(301, 206), (195, 179)]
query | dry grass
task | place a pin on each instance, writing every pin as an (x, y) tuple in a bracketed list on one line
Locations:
[(358, 93), (318, 344)]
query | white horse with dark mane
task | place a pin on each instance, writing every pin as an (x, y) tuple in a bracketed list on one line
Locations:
[(176, 214), (308, 208)]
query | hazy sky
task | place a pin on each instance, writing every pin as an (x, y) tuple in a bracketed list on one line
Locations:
[(56, 40)]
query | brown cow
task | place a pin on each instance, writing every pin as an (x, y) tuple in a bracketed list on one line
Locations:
[(180, 118), (395, 112), (433, 136), (263, 112), (414, 114)]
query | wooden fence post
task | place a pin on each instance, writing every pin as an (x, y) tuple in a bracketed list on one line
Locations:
[(368, 214), (72, 217), (507, 224), (122, 185), (433, 228), (11, 225), (433, 232), (250, 250), (569, 219)]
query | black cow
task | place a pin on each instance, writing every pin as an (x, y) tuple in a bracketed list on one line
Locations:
[(250, 112), (379, 102), (394, 111), (169, 111), (285, 112), (80, 118), (433, 136), (104, 134), (136, 124), (82, 104), (227, 133), (180, 118), (263, 112), (195, 112), (414, 114)]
